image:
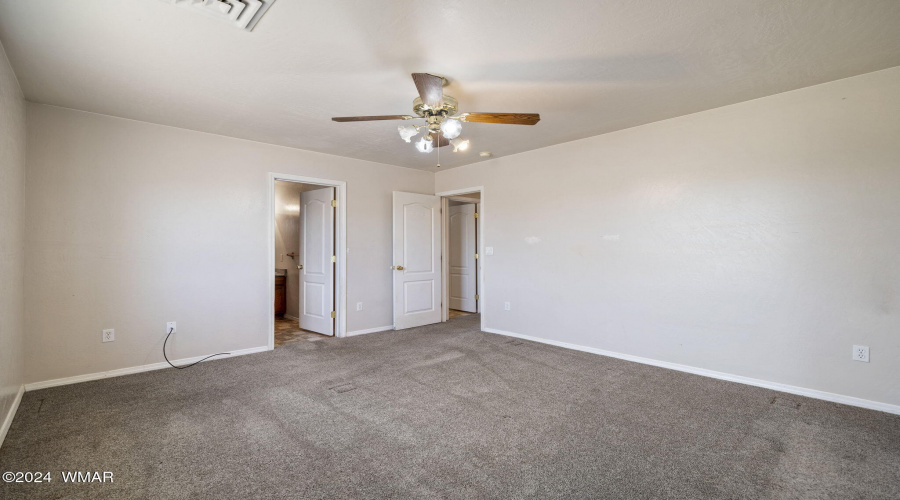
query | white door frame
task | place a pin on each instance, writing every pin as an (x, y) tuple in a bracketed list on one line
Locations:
[(445, 250), (340, 246)]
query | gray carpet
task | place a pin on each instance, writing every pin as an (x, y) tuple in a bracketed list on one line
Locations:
[(445, 411)]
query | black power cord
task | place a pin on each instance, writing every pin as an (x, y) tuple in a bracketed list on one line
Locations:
[(192, 364)]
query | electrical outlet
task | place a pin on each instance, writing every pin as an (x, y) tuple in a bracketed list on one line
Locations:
[(109, 335), (359, 306), (170, 327), (507, 306), (861, 353)]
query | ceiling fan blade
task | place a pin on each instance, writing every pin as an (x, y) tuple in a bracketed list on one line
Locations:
[(370, 118), (503, 118), (439, 141), (431, 89)]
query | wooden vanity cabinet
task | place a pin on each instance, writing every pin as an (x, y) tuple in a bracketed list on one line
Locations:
[(280, 295)]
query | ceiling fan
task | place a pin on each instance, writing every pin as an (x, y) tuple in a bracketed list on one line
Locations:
[(438, 110)]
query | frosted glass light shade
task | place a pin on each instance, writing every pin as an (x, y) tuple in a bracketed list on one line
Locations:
[(407, 132), (459, 144), (451, 128), (424, 146)]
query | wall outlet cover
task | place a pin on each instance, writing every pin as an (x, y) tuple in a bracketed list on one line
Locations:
[(861, 353), (108, 335), (170, 327), (507, 306), (359, 306)]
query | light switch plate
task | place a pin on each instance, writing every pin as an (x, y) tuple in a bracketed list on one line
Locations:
[(489, 250)]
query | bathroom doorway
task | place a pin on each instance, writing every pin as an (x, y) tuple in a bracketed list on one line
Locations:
[(307, 273)]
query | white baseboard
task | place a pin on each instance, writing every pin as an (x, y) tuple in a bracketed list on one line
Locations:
[(134, 369), (370, 330), (791, 389), (7, 422)]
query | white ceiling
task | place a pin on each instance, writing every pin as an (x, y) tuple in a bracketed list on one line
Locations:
[(588, 67)]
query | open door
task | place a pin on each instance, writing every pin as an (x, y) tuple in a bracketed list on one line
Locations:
[(463, 276), (417, 260), (317, 261)]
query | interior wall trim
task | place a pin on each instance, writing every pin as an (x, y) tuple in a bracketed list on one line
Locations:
[(135, 369), (790, 389), (11, 414)]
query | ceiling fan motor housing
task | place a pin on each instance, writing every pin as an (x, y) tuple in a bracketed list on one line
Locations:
[(449, 108)]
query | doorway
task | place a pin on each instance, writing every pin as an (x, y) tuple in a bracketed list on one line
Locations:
[(306, 254), (462, 255), (438, 272)]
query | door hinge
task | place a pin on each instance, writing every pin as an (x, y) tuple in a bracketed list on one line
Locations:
[(334, 203), (333, 259), (476, 296), (476, 215), (476, 256), (333, 314)]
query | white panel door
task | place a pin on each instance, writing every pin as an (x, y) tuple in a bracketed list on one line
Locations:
[(417, 260), (316, 266), (462, 258)]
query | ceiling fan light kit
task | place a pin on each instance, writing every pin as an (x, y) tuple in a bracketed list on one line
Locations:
[(451, 128), (407, 132), (425, 145), (442, 123), (459, 144)]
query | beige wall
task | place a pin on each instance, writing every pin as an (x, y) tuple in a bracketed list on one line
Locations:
[(759, 239), (131, 225), (12, 256)]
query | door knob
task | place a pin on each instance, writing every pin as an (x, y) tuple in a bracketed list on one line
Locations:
[(299, 266), (398, 268)]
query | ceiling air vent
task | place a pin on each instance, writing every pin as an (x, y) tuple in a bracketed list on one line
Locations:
[(243, 14)]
